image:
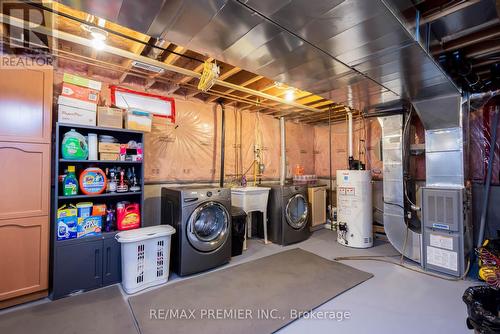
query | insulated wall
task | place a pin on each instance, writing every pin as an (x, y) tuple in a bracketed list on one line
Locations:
[(366, 138), (189, 150), (480, 129)]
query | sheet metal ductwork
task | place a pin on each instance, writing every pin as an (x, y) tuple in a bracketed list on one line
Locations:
[(406, 241), (442, 119), (356, 52), (444, 142)]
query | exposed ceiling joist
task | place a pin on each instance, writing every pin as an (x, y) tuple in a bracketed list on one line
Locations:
[(133, 56), (172, 57), (436, 15), (229, 73), (197, 69), (468, 40), (243, 84)]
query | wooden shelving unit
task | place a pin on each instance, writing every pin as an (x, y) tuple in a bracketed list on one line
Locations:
[(87, 263)]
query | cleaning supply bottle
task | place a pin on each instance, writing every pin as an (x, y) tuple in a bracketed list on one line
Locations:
[(70, 183)]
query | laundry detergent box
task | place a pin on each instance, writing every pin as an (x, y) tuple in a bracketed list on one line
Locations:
[(89, 226), (81, 81), (80, 93), (67, 221)]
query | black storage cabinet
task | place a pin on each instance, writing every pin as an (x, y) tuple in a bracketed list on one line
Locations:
[(238, 218), (83, 264)]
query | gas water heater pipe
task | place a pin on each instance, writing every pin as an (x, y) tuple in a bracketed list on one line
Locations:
[(222, 143), (350, 159), (282, 151)]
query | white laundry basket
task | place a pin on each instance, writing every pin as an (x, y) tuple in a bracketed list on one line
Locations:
[(145, 256)]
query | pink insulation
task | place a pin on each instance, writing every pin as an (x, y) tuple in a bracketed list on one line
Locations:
[(189, 150), (242, 131), (481, 120), (299, 147), (186, 150), (369, 131)]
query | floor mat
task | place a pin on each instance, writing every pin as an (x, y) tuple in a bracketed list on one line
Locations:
[(259, 296), (99, 311)]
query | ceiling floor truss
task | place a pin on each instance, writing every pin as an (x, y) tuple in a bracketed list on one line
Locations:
[(301, 109)]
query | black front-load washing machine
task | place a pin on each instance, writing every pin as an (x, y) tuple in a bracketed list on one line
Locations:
[(202, 220), (288, 212)]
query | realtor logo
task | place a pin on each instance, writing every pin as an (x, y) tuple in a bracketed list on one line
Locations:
[(27, 34)]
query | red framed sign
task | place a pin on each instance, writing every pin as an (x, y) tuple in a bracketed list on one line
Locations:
[(160, 106)]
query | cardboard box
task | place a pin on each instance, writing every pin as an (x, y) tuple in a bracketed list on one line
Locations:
[(89, 226), (80, 93), (138, 120), (80, 81), (72, 115), (110, 117), (109, 148), (109, 156), (71, 102)]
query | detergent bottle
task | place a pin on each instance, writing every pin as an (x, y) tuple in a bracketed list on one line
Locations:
[(70, 183)]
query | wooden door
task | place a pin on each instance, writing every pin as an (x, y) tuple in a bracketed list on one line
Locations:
[(25, 149), (25, 105), (24, 216), (317, 201)]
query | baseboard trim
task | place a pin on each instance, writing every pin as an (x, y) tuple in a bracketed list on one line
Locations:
[(23, 299)]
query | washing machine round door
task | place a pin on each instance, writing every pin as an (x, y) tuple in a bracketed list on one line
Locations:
[(208, 226), (297, 211)]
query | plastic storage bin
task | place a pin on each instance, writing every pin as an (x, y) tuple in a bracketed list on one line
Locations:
[(145, 256)]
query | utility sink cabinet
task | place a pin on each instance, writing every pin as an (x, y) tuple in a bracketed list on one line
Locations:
[(251, 199)]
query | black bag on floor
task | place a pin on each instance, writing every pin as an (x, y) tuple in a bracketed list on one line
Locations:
[(483, 306), (238, 218)]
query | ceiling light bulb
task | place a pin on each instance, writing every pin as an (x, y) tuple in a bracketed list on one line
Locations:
[(290, 95), (98, 44), (98, 35)]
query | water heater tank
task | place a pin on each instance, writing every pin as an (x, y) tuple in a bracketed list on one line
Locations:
[(354, 208)]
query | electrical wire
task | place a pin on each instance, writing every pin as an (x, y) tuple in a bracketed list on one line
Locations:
[(381, 259), (368, 160), (414, 207), (395, 204)]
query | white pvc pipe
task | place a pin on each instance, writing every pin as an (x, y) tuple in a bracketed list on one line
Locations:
[(349, 136), (282, 151)]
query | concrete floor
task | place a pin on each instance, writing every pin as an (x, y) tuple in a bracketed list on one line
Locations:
[(395, 300)]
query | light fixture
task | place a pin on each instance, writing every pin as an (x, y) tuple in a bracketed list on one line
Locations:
[(98, 35), (98, 44), (289, 91), (290, 95)]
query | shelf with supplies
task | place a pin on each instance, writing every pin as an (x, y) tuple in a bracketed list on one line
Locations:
[(128, 193), (117, 162), (93, 199)]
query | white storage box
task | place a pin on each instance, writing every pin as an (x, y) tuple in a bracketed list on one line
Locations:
[(145, 256), (72, 115), (250, 198), (76, 103)]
